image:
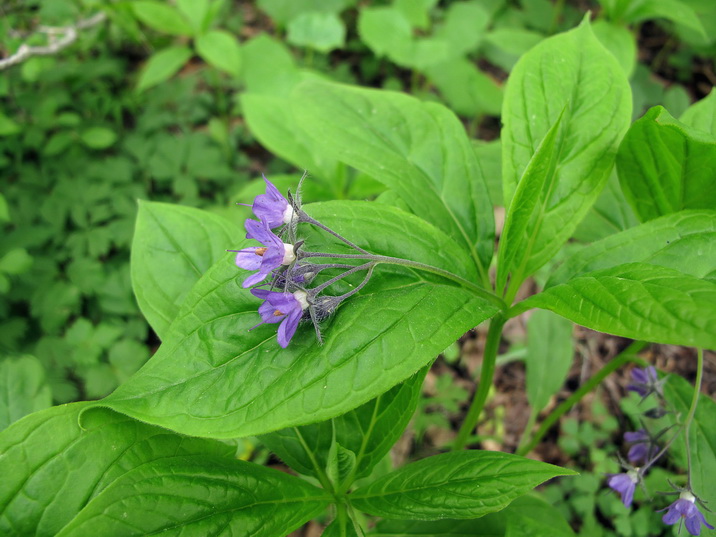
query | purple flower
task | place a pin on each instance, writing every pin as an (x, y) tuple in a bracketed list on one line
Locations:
[(642, 449), (274, 253), (645, 381), (685, 508), (272, 207), (624, 484), (284, 308)]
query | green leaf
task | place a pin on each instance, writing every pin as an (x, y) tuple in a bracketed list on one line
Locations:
[(8, 127), (702, 436), (571, 69), (98, 137), (610, 214), (571, 76), (213, 377), (468, 91), (369, 431), (520, 252), (530, 516), (200, 495), (416, 12), (464, 26), (16, 261), (550, 351), (51, 468), (163, 65), (336, 529), (683, 241), (173, 247), (161, 16), (23, 389), (665, 166), (4, 210), (420, 150), (466, 484), (492, 525), (320, 31), (194, 11), (282, 11), (702, 114), (618, 40), (637, 301), (386, 32), (220, 49), (673, 10)]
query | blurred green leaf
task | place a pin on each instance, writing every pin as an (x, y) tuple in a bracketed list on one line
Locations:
[(194, 11), (618, 40), (23, 389), (8, 127), (416, 12), (320, 31), (702, 114), (162, 65), (161, 16), (98, 137), (220, 49), (16, 261)]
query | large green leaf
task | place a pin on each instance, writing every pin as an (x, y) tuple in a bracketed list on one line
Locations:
[(200, 495), (420, 150), (637, 301), (173, 247), (23, 389), (526, 512), (573, 71), (213, 377), (665, 166), (684, 241), (702, 114), (162, 17), (368, 431), (51, 467), (465, 484), (571, 85)]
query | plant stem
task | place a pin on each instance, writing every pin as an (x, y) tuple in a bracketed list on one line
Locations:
[(482, 293), (692, 411), (627, 355), (494, 335)]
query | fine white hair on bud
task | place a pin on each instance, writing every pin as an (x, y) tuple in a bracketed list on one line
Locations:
[(289, 256)]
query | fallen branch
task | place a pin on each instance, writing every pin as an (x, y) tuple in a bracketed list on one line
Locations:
[(59, 37)]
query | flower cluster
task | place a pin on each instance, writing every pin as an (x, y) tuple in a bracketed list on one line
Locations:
[(285, 267), (645, 450)]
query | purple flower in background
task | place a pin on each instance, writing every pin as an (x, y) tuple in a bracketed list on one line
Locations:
[(284, 308), (645, 382), (685, 508), (274, 253), (624, 484), (642, 449), (272, 207)]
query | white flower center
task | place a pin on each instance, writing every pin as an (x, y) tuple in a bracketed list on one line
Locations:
[(686, 495), (633, 475), (288, 255), (301, 297), (288, 214)]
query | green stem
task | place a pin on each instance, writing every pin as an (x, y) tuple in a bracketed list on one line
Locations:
[(692, 410), (342, 518), (482, 293), (627, 355), (494, 335)]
